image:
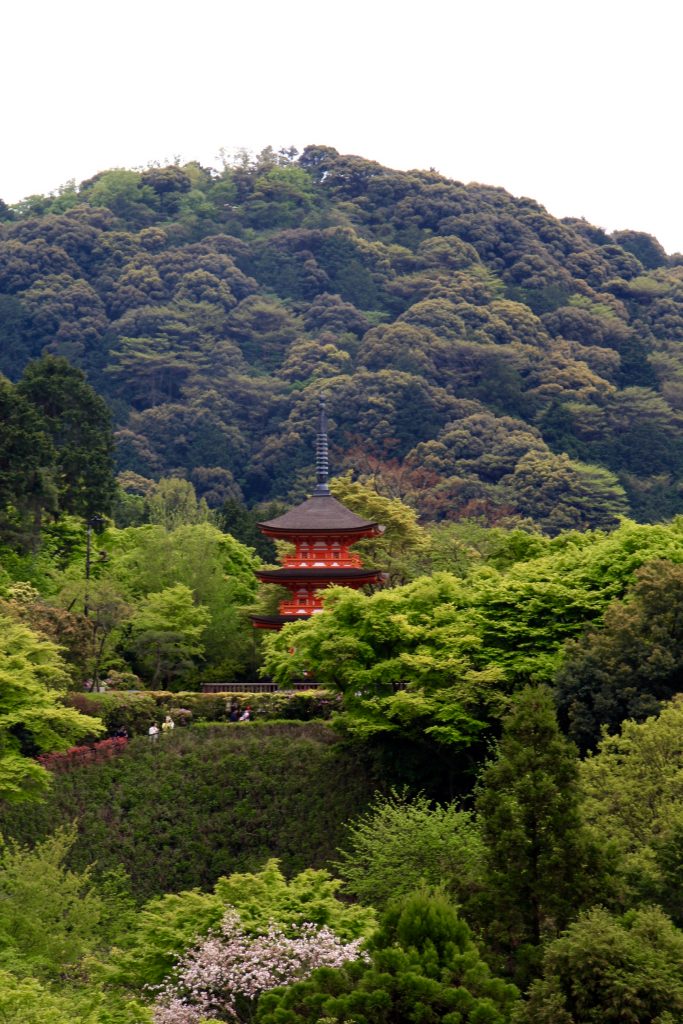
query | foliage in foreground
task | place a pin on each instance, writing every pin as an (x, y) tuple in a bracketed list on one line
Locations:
[(167, 927), (32, 719), (607, 970), (53, 921), (224, 976), (423, 965)]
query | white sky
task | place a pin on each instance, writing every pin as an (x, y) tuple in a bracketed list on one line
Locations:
[(575, 104)]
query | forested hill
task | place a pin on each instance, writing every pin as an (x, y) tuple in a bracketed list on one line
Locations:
[(480, 357)]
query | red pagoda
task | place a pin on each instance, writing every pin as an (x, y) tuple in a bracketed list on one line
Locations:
[(322, 531)]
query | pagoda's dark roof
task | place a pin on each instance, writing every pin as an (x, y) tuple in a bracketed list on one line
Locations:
[(275, 621), (320, 514), (317, 573)]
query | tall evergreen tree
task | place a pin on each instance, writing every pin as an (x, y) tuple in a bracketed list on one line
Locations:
[(542, 864), (26, 455), (78, 423)]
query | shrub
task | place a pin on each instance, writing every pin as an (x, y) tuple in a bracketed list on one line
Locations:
[(203, 803), (135, 711), (94, 753)]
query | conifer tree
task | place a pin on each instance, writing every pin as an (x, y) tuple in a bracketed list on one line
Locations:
[(78, 423), (26, 479), (542, 863)]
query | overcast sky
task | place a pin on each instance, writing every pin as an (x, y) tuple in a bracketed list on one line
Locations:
[(577, 105)]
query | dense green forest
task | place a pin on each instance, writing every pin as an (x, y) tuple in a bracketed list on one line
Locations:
[(477, 816), (479, 356)]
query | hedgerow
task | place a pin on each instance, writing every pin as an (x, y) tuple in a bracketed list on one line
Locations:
[(187, 808), (135, 711)]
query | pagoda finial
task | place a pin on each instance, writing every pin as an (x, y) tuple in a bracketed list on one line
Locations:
[(321, 462)]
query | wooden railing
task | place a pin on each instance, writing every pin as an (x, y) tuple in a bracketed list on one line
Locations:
[(239, 687), (294, 607), (326, 560)]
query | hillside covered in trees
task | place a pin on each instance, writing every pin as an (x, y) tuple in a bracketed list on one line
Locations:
[(477, 815), (480, 357)]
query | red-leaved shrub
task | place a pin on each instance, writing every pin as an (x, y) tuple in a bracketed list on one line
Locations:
[(64, 761)]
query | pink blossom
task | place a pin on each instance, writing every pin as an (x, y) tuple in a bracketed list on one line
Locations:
[(226, 973)]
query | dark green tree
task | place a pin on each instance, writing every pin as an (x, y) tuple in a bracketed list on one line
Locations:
[(629, 666), (542, 865), (240, 522), (609, 970), (27, 487), (78, 423)]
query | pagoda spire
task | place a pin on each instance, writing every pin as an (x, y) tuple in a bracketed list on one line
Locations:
[(322, 531), (322, 467)]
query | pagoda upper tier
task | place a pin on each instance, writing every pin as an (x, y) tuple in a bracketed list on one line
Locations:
[(322, 531), (320, 514)]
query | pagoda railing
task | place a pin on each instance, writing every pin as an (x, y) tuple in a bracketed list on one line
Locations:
[(304, 607), (325, 561)]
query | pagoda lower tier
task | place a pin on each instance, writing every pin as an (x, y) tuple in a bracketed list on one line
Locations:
[(305, 586)]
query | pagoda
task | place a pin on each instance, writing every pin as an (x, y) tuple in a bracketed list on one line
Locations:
[(322, 531)]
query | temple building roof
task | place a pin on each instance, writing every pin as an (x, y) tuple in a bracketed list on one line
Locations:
[(320, 514), (318, 575)]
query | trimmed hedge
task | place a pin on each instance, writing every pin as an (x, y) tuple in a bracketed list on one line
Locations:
[(135, 711), (183, 810)]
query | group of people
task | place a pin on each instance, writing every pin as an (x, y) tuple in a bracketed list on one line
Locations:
[(237, 716), (167, 726)]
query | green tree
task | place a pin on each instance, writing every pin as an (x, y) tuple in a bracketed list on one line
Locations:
[(27, 486), (402, 538), (627, 668), (397, 675), (49, 916), (423, 966), (563, 494), (401, 845), (125, 193), (241, 523), (78, 423), (173, 502), (167, 633), (32, 678), (218, 569), (541, 863), (633, 788), (167, 927), (610, 969), (434, 661), (67, 316)]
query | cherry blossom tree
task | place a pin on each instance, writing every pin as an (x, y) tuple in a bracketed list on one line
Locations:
[(222, 978)]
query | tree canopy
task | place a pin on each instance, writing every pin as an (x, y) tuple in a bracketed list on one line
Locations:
[(530, 363)]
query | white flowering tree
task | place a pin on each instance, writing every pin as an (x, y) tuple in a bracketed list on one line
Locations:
[(222, 978)]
